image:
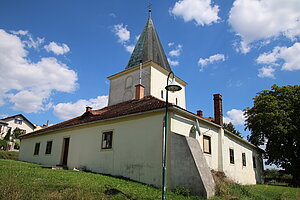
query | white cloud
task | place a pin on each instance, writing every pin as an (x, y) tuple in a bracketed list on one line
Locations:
[(266, 72), (212, 59), (20, 32), (173, 62), (129, 48), (69, 110), (30, 101), (113, 15), (170, 44), (255, 20), (269, 58), (26, 84), (199, 10), (29, 42), (177, 51), (57, 49), (235, 116), (291, 57), (286, 57), (121, 31), (123, 34)]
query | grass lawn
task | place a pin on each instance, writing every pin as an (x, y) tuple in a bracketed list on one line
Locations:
[(12, 155), (20, 180), (259, 192)]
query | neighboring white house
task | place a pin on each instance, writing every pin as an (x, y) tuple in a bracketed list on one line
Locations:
[(11, 123), (126, 137)]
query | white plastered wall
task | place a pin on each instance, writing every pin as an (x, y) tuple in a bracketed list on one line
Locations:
[(239, 173), (159, 82), (136, 153), (243, 175), (182, 125), (122, 88), (122, 85), (24, 126)]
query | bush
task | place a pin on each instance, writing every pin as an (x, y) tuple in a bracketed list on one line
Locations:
[(3, 144), (11, 155)]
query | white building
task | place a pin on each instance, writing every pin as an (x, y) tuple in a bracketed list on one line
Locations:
[(126, 137), (11, 123)]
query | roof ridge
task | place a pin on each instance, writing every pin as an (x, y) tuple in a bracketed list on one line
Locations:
[(122, 109), (21, 116)]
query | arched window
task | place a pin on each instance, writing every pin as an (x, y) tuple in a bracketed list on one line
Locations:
[(128, 82), (162, 94), (193, 132)]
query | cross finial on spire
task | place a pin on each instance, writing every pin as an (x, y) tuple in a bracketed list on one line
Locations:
[(149, 8)]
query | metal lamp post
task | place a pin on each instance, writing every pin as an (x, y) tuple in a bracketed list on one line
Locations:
[(173, 87)]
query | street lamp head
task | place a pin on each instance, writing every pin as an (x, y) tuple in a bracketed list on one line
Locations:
[(173, 87)]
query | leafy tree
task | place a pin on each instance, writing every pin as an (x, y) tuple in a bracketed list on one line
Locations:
[(3, 145), (230, 127), (274, 121), (17, 131), (7, 136)]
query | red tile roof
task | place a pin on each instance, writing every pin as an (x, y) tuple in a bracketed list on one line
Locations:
[(148, 103)]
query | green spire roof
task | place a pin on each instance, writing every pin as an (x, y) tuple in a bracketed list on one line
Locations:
[(148, 48)]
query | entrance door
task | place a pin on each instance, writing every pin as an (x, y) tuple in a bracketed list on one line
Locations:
[(65, 151)]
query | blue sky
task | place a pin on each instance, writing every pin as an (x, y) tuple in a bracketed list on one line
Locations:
[(55, 55)]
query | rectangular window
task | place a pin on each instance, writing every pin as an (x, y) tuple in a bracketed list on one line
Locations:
[(18, 121), (37, 148), (107, 140), (254, 162), (206, 144), (231, 156), (244, 159), (48, 147)]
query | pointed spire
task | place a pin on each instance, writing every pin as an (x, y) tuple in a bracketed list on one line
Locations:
[(148, 48)]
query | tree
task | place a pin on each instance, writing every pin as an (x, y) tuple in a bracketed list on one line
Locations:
[(274, 121), (230, 127), (17, 131), (3, 144), (7, 136)]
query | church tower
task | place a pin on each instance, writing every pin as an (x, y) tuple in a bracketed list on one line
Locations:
[(146, 72)]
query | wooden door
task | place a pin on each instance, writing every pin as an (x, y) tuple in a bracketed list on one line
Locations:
[(66, 151)]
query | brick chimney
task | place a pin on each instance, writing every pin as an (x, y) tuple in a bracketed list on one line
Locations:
[(139, 91), (200, 113), (218, 110), (88, 109)]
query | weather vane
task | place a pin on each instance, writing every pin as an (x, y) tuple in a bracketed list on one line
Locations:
[(149, 8)]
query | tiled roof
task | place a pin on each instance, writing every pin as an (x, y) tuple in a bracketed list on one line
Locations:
[(148, 103), (148, 48)]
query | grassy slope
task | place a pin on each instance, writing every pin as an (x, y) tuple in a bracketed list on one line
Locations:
[(19, 180), (259, 192), (12, 155)]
